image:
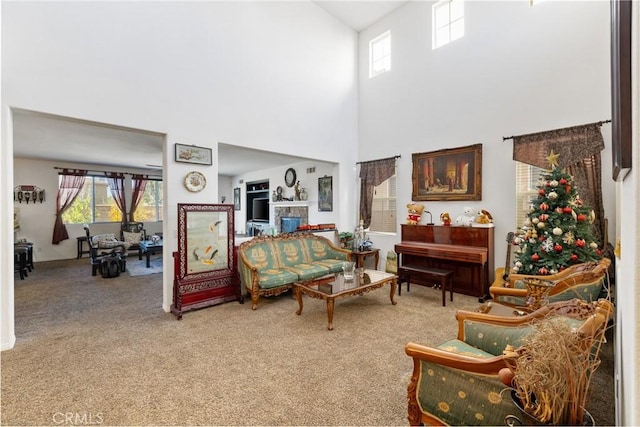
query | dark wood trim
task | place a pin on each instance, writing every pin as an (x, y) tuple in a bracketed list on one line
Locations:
[(621, 88)]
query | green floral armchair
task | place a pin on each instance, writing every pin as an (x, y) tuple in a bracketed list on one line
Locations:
[(457, 382)]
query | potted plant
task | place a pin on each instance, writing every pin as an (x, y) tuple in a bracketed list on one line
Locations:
[(346, 239), (551, 373)]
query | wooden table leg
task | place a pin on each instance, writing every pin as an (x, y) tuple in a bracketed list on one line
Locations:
[(392, 294), (330, 304), (298, 294)]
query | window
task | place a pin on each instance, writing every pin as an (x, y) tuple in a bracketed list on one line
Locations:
[(380, 54), (448, 22), (527, 178), (94, 204), (383, 210), (150, 207)]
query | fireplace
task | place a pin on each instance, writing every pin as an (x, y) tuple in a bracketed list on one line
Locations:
[(293, 216), (290, 223)]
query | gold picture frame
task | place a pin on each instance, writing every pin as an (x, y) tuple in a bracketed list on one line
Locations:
[(449, 174)]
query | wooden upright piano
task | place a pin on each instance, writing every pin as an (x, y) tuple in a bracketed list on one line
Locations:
[(467, 251)]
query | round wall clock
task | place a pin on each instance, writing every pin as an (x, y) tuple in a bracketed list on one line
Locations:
[(290, 177), (195, 181)]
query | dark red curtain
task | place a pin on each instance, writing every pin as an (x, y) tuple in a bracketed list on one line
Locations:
[(70, 186), (116, 186), (139, 185)]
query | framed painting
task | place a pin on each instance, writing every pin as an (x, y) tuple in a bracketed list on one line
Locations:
[(193, 154), (325, 194), (205, 245), (450, 174), (236, 198)]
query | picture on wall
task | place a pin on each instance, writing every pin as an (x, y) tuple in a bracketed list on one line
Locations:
[(325, 194), (236, 198), (193, 154), (449, 174)]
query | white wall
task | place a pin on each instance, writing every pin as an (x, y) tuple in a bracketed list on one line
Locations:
[(517, 70), (280, 75), (628, 264), (308, 181)]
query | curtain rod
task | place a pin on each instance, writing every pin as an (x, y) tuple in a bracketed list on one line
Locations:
[(505, 138), (98, 171), (388, 158)]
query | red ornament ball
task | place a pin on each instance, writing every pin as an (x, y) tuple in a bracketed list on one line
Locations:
[(535, 257), (557, 247), (581, 217)]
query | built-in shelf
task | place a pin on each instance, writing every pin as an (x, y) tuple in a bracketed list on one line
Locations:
[(293, 203)]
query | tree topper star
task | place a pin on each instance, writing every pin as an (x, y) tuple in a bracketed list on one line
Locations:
[(553, 159)]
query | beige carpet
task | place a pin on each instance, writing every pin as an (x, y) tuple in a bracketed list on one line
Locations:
[(103, 350)]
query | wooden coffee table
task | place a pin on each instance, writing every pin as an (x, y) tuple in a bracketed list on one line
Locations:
[(148, 248), (334, 286)]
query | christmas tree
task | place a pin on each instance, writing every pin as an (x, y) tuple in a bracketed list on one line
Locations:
[(559, 229)]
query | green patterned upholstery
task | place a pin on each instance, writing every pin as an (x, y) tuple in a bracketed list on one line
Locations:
[(462, 397), (269, 265), (589, 291)]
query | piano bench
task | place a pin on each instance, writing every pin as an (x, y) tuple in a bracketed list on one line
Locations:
[(438, 275)]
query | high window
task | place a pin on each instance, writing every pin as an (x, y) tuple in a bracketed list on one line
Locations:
[(383, 211), (448, 22), (380, 54), (527, 178)]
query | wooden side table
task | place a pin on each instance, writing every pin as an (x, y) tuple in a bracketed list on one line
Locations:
[(362, 255), (81, 241)]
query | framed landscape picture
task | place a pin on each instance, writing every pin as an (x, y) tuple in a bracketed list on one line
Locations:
[(193, 154), (450, 174)]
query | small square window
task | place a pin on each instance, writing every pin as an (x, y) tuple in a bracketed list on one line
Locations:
[(380, 54), (448, 22)]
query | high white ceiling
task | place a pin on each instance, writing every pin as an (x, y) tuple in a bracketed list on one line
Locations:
[(359, 14), (44, 136)]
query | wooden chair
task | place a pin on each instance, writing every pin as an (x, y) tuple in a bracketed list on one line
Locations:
[(457, 382), (132, 233), (97, 254), (586, 281)]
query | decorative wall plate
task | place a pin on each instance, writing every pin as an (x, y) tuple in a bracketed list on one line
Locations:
[(195, 181), (290, 177)]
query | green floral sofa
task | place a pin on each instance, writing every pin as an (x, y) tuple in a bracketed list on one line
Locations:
[(457, 382), (269, 265)]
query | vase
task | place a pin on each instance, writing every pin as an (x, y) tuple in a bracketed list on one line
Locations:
[(528, 420), (303, 194)]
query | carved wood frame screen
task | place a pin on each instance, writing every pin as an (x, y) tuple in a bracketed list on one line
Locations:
[(449, 174), (205, 240)]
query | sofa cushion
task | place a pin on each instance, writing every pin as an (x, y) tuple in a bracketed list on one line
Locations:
[(275, 277), (131, 238), (319, 250), (334, 265), (260, 256), (308, 271), (106, 241), (289, 252)]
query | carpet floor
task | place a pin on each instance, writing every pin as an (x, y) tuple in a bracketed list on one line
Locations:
[(103, 351)]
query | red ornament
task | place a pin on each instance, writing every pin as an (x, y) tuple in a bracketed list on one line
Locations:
[(574, 257), (581, 217), (543, 217), (599, 252), (567, 189), (543, 271), (580, 243), (548, 184), (541, 192), (562, 181), (544, 206), (559, 210), (557, 247), (535, 257), (567, 210)]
